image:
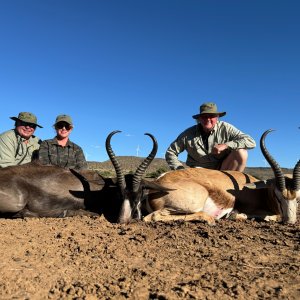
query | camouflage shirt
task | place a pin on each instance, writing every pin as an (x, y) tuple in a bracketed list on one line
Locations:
[(14, 150), (199, 150), (71, 156)]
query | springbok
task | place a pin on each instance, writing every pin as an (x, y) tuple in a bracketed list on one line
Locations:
[(204, 194)]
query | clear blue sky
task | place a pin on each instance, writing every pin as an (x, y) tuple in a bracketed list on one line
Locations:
[(146, 66)]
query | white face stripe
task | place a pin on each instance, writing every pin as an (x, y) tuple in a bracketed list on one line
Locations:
[(287, 208), (125, 215)]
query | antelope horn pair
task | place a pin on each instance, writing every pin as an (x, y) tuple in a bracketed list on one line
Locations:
[(279, 176), (140, 171)]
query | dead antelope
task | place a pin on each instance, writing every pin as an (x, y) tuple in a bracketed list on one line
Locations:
[(204, 194), (33, 190)]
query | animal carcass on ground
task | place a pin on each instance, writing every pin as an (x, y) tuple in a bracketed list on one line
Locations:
[(203, 194), (33, 190)]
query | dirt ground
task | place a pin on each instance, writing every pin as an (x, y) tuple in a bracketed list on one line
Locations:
[(90, 258)]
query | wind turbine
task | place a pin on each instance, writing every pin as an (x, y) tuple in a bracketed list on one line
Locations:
[(137, 150)]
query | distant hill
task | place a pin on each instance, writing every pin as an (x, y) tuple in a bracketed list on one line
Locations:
[(159, 165), (129, 165)]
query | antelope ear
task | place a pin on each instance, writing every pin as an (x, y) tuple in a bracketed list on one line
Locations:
[(259, 184), (157, 187)]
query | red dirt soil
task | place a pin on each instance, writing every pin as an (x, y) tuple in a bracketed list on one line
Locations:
[(90, 258)]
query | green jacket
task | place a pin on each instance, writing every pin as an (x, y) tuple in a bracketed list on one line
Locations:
[(197, 156), (13, 150), (71, 156)]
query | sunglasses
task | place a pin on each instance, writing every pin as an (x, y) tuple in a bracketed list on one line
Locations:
[(25, 124), (208, 116), (62, 125)]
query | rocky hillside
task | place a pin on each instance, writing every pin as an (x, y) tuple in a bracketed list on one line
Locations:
[(159, 165)]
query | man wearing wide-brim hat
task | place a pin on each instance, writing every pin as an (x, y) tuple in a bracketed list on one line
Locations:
[(19, 145), (211, 144)]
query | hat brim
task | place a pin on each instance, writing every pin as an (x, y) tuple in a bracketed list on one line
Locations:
[(17, 119), (63, 121), (221, 114)]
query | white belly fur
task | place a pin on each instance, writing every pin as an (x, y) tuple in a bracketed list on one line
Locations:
[(213, 210)]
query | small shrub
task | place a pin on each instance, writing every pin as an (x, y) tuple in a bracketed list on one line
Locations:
[(158, 172), (105, 173)]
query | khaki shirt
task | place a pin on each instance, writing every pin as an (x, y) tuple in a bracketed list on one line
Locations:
[(13, 150), (197, 156)]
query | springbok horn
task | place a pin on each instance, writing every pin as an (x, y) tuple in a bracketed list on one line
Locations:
[(137, 177), (296, 177), (279, 177), (120, 176)]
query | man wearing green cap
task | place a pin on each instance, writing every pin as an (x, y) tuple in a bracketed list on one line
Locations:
[(211, 144), (19, 145)]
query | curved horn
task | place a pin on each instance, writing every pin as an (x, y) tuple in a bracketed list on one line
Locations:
[(120, 176), (296, 176), (144, 165), (279, 177)]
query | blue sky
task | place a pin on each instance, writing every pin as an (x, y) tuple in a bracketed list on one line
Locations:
[(146, 66)]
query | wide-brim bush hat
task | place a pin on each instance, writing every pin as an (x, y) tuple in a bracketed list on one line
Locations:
[(63, 118), (27, 117), (209, 108)]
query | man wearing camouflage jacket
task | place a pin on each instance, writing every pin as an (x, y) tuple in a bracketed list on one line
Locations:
[(60, 150)]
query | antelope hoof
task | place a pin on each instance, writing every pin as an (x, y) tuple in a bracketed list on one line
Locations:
[(236, 216), (274, 218), (211, 221), (241, 217)]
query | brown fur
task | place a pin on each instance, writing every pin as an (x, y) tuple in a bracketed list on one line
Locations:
[(191, 188), (206, 194)]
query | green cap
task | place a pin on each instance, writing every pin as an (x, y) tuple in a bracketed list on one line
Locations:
[(27, 117), (64, 118), (209, 108)]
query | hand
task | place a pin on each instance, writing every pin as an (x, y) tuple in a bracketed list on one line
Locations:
[(219, 148)]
